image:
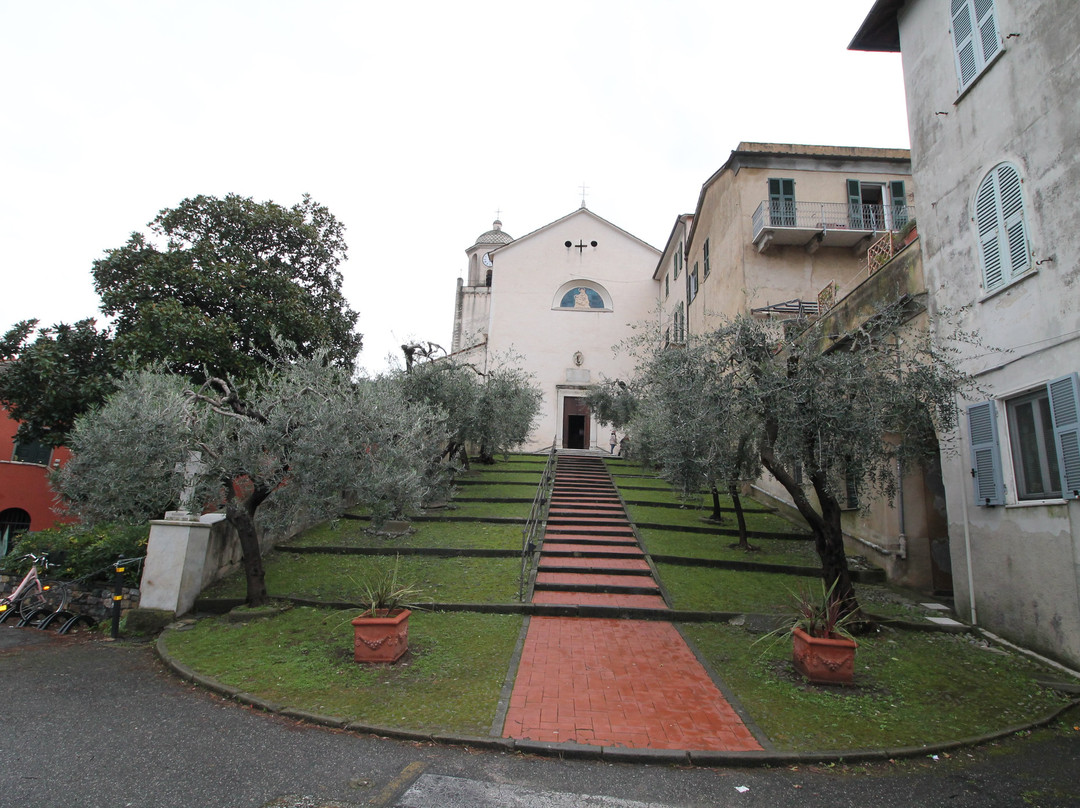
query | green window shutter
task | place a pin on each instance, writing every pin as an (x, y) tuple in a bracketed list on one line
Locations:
[(781, 202), (855, 206), (899, 202), (1065, 412), (706, 257), (985, 454)]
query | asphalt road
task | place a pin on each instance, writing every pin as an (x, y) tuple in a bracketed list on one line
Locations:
[(91, 723)]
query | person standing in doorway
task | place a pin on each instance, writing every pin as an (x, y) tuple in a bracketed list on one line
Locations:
[(613, 440)]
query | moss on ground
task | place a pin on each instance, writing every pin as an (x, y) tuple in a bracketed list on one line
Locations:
[(449, 681), (456, 535), (340, 578), (911, 688)]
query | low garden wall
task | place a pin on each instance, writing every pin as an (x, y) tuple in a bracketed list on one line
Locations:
[(92, 598)]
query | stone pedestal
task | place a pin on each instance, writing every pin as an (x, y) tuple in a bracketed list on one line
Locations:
[(176, 556)]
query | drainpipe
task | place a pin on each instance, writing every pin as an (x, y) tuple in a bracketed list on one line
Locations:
[(902, 538)]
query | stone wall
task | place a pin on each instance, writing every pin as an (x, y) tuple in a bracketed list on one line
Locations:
[(93, 599)]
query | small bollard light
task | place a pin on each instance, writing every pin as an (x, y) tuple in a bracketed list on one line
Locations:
[(118, 595)]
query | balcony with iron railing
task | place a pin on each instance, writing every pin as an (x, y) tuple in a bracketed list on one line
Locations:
[(824, 224)]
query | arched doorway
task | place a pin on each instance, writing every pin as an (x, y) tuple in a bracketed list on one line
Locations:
[(13, 521)]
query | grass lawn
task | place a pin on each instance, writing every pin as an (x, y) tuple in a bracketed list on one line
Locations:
[(911, 688), (695, 517), (713, 590), (532, 477), (449, 681), (461, 535), (495, 490), (341, 577), (696, 545), (515, 463), (622, 482), (488, 510)]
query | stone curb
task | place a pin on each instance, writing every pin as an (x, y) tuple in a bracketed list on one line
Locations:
[(724, 531), (857, 576), (567, 749), (433, 552), (220, 606)]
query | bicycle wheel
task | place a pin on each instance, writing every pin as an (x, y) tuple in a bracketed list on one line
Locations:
[(52, 597)]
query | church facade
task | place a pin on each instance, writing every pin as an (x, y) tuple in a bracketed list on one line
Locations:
[(557, 302)]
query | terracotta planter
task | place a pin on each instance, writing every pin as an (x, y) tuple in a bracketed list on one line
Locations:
[(824, 660), (383, 637)]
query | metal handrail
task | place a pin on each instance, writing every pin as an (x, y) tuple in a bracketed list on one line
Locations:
[(822, 216), (535, 521)]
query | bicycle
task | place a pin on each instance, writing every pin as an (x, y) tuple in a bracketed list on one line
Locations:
[(35, 594)]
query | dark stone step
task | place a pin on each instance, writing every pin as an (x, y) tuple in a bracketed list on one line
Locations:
[(597, 589)]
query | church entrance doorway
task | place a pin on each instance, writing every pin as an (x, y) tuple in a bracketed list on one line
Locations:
[(575, 423)]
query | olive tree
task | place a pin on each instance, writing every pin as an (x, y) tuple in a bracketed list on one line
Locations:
[(305, 442), (854, 409), (682, 416), (493, 411)]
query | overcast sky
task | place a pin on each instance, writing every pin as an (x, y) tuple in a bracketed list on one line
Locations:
[(414, 122)]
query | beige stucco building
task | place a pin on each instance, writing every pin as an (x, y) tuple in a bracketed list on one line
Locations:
[(785, 231), (992, 90), (559, 299), (778, 223)]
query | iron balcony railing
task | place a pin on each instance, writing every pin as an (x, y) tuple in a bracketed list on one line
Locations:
[(823, 216)]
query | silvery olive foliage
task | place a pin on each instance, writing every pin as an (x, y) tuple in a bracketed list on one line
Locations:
[(493, 411), (821, 412), (304, 443), (124, 453)]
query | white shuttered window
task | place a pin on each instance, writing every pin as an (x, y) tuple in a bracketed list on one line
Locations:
[(1003, 237), (975, 38)]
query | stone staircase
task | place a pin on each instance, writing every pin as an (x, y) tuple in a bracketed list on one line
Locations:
[(589, 554)]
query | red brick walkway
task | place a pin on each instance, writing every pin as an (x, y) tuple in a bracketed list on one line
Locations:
[(609, 682)]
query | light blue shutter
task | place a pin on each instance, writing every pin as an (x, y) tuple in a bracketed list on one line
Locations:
[(987, 220), (964, 42), (985, 454), (975, 37), (988, 33), (1065, 411), (1012, 216)]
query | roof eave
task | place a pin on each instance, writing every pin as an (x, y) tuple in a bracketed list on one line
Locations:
[(880, 31)]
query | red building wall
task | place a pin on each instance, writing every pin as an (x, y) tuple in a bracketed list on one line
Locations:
[(26, 485)]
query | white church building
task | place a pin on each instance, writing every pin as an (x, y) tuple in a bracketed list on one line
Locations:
[(558, 300)]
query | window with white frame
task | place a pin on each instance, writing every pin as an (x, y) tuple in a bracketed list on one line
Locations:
[(694, 281), (1043, 435), (975, 38), (678, 260), (1004, 251)]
